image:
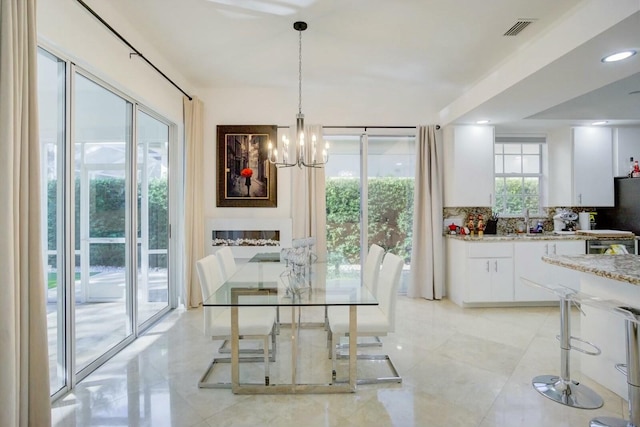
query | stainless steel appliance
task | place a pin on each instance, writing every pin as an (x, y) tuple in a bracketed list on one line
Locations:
[(601, 246), (608, 239)]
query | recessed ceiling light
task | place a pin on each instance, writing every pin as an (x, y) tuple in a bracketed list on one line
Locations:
[(482, 122), (601, 122), (619, 56)]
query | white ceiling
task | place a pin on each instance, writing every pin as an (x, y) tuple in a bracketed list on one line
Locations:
[(433, 49)]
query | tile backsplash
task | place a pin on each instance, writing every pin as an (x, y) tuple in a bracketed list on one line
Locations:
[(509, 224)]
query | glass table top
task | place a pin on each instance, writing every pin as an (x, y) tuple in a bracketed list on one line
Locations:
[(270, 283)]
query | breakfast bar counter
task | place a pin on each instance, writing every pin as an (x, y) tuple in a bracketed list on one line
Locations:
[(610, 277)]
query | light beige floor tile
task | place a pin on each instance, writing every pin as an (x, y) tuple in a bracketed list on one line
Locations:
[(460, 367)]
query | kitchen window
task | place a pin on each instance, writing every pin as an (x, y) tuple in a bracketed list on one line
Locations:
[(518, 175)]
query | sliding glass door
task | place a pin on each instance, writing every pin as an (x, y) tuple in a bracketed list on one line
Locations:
[(105, 187), (153, 209), (390, 171), (369, 184), (52, 106)]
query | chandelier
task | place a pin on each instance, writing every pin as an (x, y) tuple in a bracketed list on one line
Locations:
[(306, 153)]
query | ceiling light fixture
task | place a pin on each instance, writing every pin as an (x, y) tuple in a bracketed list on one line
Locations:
[(619, 56), (482, 122), (305, 156), (601, 122)]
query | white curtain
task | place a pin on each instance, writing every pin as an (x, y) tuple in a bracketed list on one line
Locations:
[(427, 258), (24, 360), (193, 211), (309, 205)]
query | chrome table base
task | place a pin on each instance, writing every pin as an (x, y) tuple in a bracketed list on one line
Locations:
[(569, 393)]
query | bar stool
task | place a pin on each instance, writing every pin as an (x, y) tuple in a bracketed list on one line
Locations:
[(563, 389), (632, 317)]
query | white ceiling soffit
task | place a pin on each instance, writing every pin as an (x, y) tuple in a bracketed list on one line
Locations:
[(575, 89)]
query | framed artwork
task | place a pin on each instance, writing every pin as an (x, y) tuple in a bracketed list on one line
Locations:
[(245, 176)]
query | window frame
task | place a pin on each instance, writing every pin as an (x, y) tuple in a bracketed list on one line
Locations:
[(522, 141)]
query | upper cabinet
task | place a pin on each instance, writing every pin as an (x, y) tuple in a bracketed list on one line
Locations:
[(468, 175), (580, 167), (592, 166)]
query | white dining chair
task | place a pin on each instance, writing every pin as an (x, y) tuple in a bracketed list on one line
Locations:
[(253, 322), (371, 271), (228, 264), (371, 320)]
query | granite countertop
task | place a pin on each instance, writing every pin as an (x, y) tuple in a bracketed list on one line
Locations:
[(623, 268), (528, 237), (517, 237)]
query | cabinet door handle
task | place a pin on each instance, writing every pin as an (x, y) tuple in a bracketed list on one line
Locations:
[(546, 249), (554, 249), (580, 198), (496, 265), (490, 199), (487, 266)]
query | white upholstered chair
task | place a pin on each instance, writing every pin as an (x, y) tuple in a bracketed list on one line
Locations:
[(227, 262), (371, 320), (253, 322), (371, 271)]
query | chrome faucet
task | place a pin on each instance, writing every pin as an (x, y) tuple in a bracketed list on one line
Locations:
[(525, 213)]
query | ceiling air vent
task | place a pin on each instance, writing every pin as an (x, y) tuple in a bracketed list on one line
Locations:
[(520, 25)]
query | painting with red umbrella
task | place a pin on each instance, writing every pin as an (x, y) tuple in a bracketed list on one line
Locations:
[(245, 176)]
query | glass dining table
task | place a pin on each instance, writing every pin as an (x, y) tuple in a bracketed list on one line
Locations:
[(267, 282)]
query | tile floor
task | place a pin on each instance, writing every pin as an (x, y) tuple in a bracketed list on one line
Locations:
[(461, 367)]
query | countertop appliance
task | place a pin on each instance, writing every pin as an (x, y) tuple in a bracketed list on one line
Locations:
[(564, 221), (610, 240)]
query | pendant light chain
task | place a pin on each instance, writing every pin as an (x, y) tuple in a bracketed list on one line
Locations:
[(306, 154), (300, 72)]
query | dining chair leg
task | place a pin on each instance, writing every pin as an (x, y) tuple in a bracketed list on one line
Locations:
[(333, 356), (266, 360)]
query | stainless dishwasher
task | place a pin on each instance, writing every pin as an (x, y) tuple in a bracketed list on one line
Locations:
[(601, 245)]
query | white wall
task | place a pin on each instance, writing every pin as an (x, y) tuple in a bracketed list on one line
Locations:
[(67, 28), (269, 106)]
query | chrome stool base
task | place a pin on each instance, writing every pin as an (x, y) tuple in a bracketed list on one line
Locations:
[(570, 393), (610, 422)]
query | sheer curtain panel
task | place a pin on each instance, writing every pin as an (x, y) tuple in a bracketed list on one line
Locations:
[(24, 362), (308, 200), (193, 211), (427, 258)]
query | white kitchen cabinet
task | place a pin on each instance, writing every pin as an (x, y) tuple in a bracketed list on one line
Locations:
[(479, 272), (592, 166), (489, 280), (482, 272), (468, 175), (528, 264)]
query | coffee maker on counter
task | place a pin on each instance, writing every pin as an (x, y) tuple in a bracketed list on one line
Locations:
[(564, 221)]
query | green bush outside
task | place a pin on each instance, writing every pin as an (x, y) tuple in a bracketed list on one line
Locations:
[(390, 217), (514, 194), (107, 213)]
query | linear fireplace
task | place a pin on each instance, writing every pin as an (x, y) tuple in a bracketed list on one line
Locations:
[(248, 236)]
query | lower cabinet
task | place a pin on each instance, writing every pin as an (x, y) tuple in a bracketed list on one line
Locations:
[(529, 264), (490, 279), (489, 272), (479, 272)]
